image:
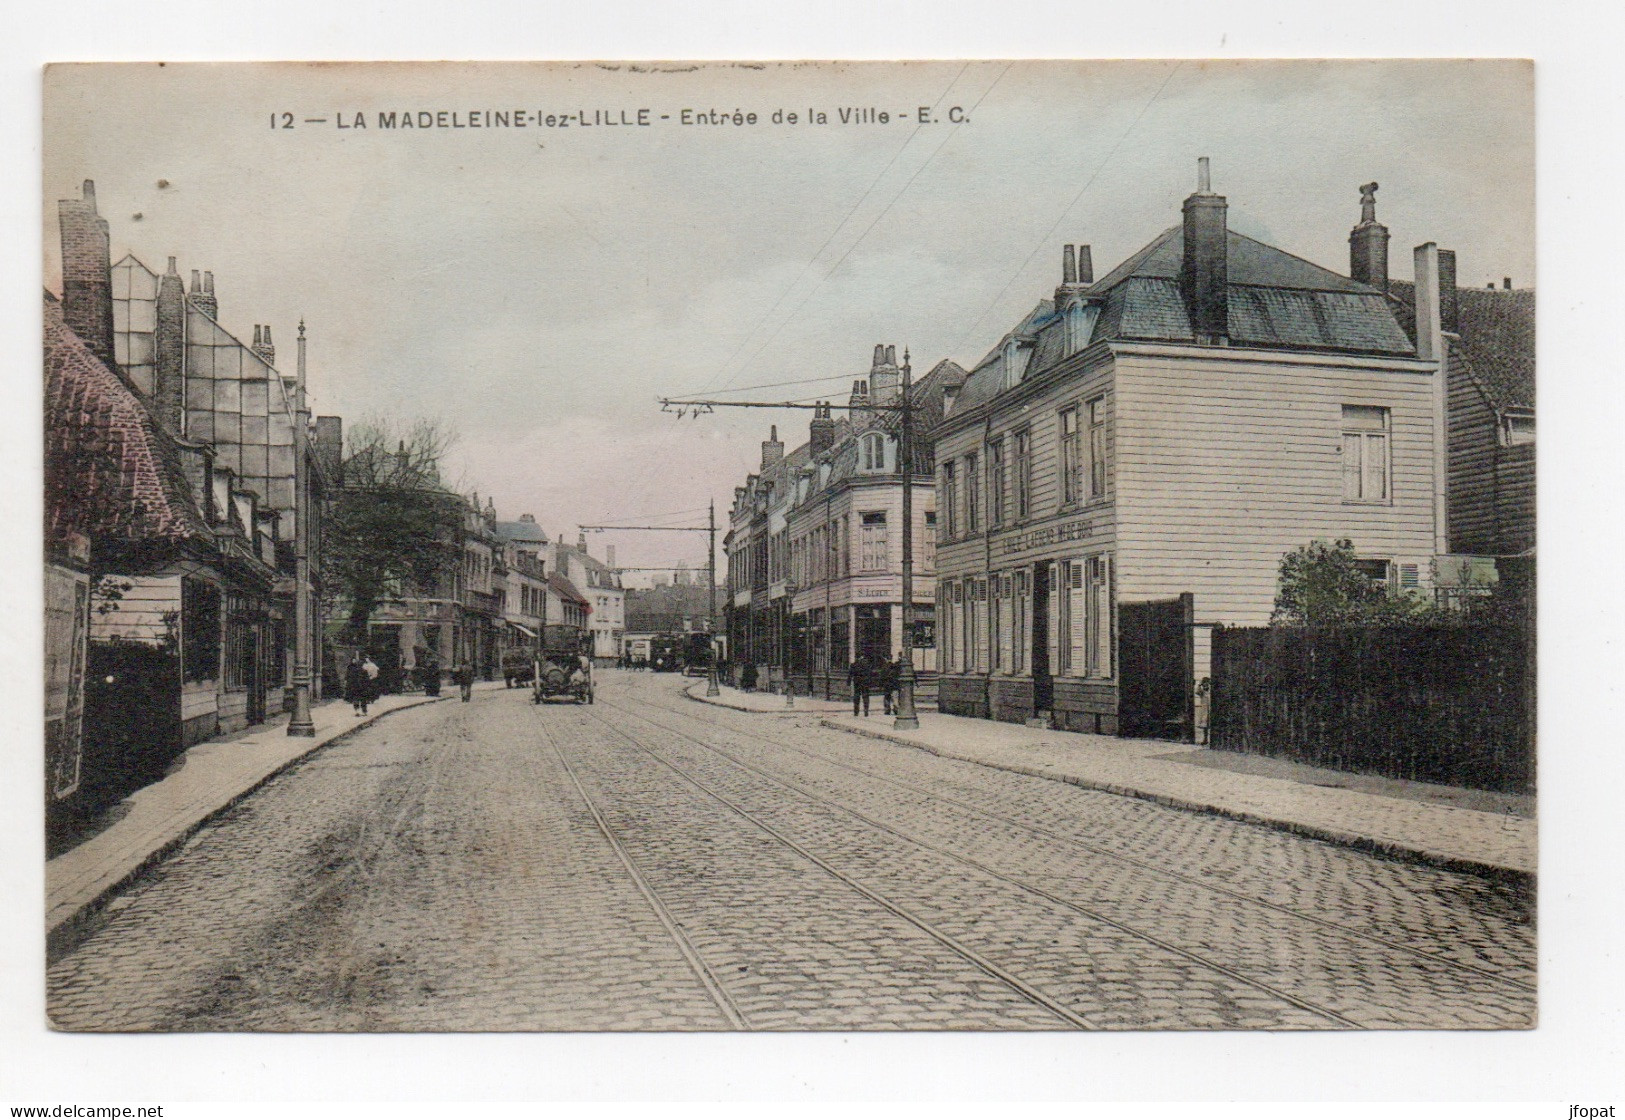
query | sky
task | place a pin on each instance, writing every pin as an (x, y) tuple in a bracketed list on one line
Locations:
[(536, 290)]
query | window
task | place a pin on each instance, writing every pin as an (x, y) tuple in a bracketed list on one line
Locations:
[(1097, 447), (928, 543), (1071, 465), (973, 512), (200, 630), (1517, 428), (874, 452), (950, 499), (995, 483), (1074, 624), (1377, 571), (979, 622), (1018, 622), (1003, 651), (1021, 463), (1365, 454), (1100, 616), (875, 555)]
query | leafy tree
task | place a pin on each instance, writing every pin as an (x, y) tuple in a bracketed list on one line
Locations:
[(1321, 584), (392, 528)]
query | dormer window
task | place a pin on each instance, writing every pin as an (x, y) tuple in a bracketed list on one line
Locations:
[(874, 452), (1079, 323)]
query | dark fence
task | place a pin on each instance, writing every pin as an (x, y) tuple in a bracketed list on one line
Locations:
[(1452, 705)]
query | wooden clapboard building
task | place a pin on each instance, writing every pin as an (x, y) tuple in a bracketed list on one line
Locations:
[(1129, 464)]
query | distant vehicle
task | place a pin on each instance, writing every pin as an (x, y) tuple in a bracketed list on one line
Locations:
[(697, 655), (666, 653), (565, 664), (518, 666)]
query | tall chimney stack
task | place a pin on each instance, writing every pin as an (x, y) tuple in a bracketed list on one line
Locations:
[(169, 350), (1449, 317), (1086, 265), (1069, 265), (772, 449), (1368, 244), (1204, 279), (858, 403), (87, 272), (821, 432)]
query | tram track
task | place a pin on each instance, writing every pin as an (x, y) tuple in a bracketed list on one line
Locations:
[(691, 956), (1145, 866), (980, 960)]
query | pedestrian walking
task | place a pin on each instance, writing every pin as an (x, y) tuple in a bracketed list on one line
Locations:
[(890, 673), (356, 684), (862, 677), (369, 686), (747, 677), (465, 679)]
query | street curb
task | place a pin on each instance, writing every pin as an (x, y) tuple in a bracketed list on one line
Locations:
[(1387, 849), (718, 703), (62, 935)]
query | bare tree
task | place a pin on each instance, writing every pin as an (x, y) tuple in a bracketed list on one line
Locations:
[(393, 527)]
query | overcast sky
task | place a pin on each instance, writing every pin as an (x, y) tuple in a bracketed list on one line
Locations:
[(537, 288)]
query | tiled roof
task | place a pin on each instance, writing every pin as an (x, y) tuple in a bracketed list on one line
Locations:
[(122, 468), (1497, 331), (566, 590)]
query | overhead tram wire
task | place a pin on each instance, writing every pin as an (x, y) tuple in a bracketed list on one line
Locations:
[(850, 214), (951, 133), (1067, 209)]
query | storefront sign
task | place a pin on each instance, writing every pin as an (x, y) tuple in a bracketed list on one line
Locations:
[(1076, 530)]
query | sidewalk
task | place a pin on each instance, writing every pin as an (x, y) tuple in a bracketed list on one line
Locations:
[(768, 703), (1468, 830), (212, 776)]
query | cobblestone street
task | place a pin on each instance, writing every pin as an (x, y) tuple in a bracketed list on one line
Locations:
[(647, 863)]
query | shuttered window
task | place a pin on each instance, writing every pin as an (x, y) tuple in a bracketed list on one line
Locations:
[(1077, 618), (1071, 458), (1018, 622), (1100, 616), (973, 512), (995, 483), (1365, 454), (950, 500)]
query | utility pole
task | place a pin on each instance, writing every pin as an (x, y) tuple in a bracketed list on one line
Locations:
[(906, 719), (299, 722), (711, 686)]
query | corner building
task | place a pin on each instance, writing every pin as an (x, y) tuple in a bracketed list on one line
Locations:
[(1126, 468)]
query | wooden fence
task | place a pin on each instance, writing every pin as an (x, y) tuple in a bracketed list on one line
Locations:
[(1453, 705)]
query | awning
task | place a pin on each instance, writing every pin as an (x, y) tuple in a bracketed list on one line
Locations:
[(525, 630)]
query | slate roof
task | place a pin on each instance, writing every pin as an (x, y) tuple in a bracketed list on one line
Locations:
[(1497, 331), (522, 532), (1275, 301), (108, 451)]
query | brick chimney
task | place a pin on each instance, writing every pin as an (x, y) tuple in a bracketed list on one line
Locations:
[(821, 432), (87, 272), (858, 403), (1449, 316), (1368, 243), (772, 449), (1204, 279), (609, 556), (169, 351), (330, 447), (263, 345), (885, 379), (203, 295)]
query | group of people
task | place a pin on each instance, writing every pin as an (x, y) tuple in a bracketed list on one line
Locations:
[(362, 684), (867, 676)]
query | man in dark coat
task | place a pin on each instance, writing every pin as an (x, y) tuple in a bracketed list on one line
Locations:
[(862, 677), (889, 673), (357, 688), (465, 679)]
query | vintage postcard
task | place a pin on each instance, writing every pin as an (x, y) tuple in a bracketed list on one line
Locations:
[(938, 546)]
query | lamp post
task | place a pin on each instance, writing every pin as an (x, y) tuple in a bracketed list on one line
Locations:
[(299, 721), (711, 686), (906, 719)]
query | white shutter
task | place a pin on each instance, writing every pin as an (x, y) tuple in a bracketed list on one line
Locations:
[(1078, 616)]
